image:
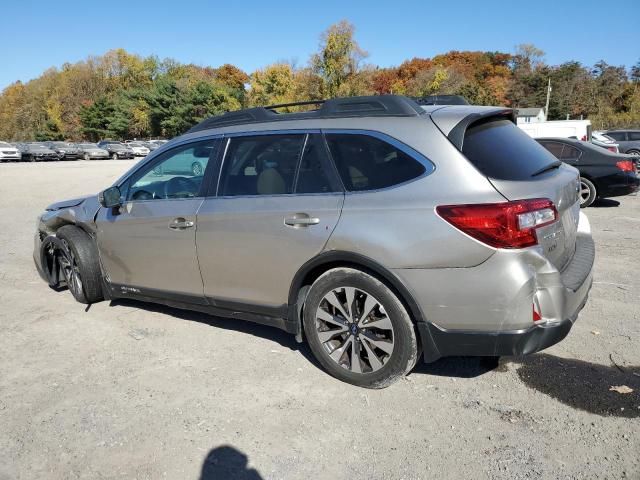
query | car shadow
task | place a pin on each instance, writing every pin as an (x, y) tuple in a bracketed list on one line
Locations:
[(226, 462), (459, 367), (276, 335), (605, 203), (583, 385)]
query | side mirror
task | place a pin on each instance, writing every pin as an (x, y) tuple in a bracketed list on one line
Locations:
[(110, 198)]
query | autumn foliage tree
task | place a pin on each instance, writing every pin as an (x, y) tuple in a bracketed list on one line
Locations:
[(122, 95)]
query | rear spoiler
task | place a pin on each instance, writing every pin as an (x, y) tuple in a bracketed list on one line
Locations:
[(454, 121)]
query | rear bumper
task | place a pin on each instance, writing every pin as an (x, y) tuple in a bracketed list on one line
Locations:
[(618, 185), (486, 310), (507, 343)]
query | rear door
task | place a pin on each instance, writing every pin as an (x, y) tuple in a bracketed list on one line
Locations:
[(520, 168), (278, 200)]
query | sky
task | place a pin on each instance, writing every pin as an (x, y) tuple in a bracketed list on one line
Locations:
[(250, 34)]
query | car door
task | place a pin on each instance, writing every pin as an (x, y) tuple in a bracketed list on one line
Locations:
[(147, 246), (278, 200)]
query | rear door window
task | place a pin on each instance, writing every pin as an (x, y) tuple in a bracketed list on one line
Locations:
[(570, 153), (365, 162), (554, 147), (261, 165), (619, 136), (634, 136), (500, 150), (314, 172)]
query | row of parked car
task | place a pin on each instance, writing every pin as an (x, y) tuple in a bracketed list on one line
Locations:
[(49, 151)]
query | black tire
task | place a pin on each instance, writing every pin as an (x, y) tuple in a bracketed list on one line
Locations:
[(80, 251), (587, 186), (405, 345)]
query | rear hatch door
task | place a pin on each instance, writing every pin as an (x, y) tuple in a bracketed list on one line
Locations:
[(519, 168)]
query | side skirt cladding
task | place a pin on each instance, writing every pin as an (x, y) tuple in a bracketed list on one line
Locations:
[(271, 316)]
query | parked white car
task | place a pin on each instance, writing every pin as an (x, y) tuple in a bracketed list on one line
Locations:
[(9, 153), (139, 150)]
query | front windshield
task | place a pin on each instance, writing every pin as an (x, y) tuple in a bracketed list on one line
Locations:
[(88, 145)]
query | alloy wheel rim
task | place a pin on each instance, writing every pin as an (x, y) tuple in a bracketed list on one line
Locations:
[(70, 269), (585, 192), (354, 329)]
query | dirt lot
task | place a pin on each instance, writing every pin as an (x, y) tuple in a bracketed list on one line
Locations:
[(128, 390)]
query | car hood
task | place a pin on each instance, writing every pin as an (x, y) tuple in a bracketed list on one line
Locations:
[(73, 202)]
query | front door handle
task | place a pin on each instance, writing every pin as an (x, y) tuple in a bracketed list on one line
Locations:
[(180, 224), (301, 220)]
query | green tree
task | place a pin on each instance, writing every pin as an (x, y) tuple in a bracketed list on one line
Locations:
[(95, 118), (339, 58)]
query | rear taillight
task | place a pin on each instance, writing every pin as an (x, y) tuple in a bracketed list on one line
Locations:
[(502, 225), (613, 149), (626, 165)]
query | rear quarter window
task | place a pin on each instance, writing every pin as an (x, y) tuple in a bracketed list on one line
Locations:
[(365, 162), (500, 150)]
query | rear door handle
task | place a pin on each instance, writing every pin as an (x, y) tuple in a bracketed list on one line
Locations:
[(301, 220), (180, 224)]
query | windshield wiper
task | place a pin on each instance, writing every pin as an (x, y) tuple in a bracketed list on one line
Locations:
[(546, 168)]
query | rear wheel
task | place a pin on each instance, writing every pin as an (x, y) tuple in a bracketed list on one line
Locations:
[(358, 329), (588, 192), (79, 264)]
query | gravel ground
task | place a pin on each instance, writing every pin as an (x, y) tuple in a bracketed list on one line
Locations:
[(131, 390)]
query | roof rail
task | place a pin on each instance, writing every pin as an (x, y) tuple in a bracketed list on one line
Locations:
[(349, 107), (295, 104)]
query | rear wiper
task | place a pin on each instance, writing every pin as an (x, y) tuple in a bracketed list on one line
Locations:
[(551, 166)]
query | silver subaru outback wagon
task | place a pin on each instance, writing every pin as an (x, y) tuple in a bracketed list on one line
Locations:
[(376, 230)]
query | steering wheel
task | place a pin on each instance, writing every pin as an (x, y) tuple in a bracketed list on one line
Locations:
[(143, 195), (180, 187)]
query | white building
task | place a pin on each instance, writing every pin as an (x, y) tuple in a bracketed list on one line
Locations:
[(531, 115)]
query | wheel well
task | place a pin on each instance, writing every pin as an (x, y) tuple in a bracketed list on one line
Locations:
[(588, 177), (313, 269)]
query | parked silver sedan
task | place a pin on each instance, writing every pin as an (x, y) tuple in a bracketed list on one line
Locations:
[(91, 151)]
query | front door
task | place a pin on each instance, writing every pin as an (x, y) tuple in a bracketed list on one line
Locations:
[(278, 202), (147, 246)]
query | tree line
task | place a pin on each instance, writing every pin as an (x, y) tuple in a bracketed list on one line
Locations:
[(122, 95)]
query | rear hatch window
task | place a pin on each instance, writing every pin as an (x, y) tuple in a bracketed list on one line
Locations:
[(520, 168), (500, 150)]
